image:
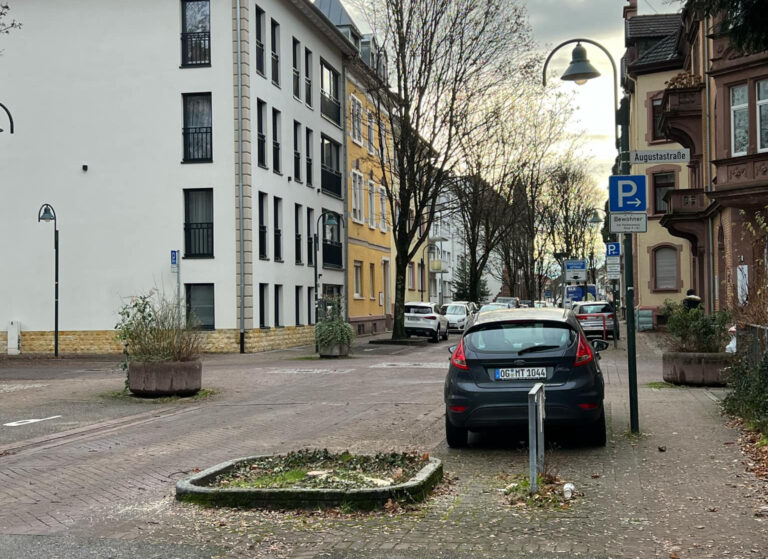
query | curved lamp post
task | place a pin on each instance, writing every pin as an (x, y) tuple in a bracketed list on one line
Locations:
[(10, 118), (579, 71), (47, 213), (330, 221)]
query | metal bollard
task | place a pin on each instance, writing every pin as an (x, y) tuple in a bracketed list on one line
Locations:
[(536, 399)]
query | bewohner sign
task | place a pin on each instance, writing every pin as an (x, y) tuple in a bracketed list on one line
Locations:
[(660, 156)]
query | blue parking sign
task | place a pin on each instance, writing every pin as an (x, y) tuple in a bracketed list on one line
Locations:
[(627, 193), (613, 249)]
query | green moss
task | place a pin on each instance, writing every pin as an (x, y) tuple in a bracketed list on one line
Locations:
[(280, 479), (125, 395), (661, 385)]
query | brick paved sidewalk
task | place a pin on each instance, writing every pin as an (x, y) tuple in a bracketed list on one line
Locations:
[(693, 500)]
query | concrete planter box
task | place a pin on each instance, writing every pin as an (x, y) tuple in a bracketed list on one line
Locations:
[(695, 369), (336, 350), (165, 378), (196, 489)]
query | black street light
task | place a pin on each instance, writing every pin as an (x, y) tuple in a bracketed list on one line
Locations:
[(331, 220), (47, 213)]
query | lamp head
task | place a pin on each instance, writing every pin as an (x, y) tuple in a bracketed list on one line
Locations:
[(595, 219), (579, 70), (46, 214), (331, 220)]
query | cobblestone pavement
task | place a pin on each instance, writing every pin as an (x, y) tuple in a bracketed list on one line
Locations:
[(105, 487)]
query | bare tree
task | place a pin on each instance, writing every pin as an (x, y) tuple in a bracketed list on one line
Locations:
[(446, 58), (5, 25)]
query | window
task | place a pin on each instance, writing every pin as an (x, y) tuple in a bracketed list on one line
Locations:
[(657, 110), (411, 276), (260, 32), (296, 151), (263, 305), (275, 37), (198, 133), (372, 280), (297, 228), (739, 120), (278, 232), (200, 304), (278, 306), (665, 266), (261, 123), (329, 93), (662, 183), (357, 196), (383, 142), (310, 305), (196, 33), (308, 77), (356, 120), (296, 68), (198, 223), (310, 237), (371, 205), (299, 297), (762, 115), (309, 157), (329, 167), (421, 276), (263, 254), (332, 248), (371, 138), (358, 279), (276, 167), (383, 210)]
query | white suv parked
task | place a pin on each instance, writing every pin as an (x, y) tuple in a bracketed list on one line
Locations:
[(425, 319)]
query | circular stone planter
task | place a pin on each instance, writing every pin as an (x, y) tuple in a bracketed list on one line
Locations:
[(165, 378), (195, 489), (695, 369)]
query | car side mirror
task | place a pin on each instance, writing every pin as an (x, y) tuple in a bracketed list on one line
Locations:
[(451, 349), (600, 345)]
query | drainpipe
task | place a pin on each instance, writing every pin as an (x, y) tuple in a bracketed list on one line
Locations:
[(241, 211), (345, 212), (708, 169)]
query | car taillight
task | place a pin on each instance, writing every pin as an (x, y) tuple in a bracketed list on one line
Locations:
[(582, 317), (458, 409), (458, 359), (610, 316), (588, 406), (430, 317), (584, 352)]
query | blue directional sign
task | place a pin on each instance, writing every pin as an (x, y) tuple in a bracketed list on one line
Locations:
[(613, 249), (174, 255), (627, 193)]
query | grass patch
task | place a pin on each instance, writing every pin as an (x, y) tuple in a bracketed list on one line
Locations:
[(125, 395), (662, 385), (549, 495)]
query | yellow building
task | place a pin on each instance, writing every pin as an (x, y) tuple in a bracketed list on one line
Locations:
[(370, 264)]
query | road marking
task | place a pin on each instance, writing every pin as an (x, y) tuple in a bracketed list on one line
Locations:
[(307, 371), (28, 421), (408, 365), (16, 387)]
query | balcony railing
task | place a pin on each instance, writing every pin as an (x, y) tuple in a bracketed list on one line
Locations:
[(263, 242), (330, 180), (330, 107), (296, 83), (310, 251), (196, 49), (261, 149), (278, 245), (298, 249), (297, 166), (308, 91), (332, 254), (260, 57), (309, 171), (198, 143), (275, 68), (276, 156), (198, 240)]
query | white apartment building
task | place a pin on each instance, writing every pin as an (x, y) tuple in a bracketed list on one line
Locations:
[(132, 121)]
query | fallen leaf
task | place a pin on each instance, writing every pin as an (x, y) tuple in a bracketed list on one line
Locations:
[(595, 476), (674, 555), (662, 449)]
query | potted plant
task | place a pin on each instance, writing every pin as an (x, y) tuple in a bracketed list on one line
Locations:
[(698, 346), (161, 348), (333, 335)]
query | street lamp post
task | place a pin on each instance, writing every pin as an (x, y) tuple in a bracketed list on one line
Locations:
[(579, 71), (47, 213), (330, 221), (10, 118)]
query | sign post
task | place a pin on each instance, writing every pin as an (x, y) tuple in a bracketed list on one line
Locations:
[(176, 269)]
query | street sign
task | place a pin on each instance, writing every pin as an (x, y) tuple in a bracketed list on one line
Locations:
[(682, 155), (547, 294), (627, 193), (613, 260), (613, 267), (575, 270), (629, 223), (174, 261), (613, 275), (612, 249)]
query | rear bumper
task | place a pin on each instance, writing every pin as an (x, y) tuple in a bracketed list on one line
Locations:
[(421, 331)]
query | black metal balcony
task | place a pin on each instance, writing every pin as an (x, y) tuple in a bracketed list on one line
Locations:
[(309, 171), (261, 149), (278, 245), (310, 251), (260, 57), (263, 242), (198, 143), (296, 83), (297, 166), (198, 240), (332, 254), (308, 91), (331, 108), (276, 156), (330, 180), (298, 249), (196, 49), (275, 68)]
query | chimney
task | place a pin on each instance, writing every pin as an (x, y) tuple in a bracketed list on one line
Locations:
[(631, 10)]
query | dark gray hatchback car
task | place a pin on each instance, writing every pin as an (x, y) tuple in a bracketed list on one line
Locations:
[(503, 353)]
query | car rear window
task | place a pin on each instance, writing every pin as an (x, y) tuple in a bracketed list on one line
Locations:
[(514, 336), (593, 309), (413, 309), (456, 309)]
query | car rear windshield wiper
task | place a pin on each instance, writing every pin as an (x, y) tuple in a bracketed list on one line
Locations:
[(532, 348)]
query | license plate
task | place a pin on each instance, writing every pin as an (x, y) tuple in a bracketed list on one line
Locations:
[(521, 373)]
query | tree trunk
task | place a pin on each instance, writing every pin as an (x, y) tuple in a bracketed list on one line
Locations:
[(401, 268)]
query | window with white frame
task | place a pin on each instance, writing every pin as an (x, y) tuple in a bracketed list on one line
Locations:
[(762, 115), (739, 120), (357, 196), (372, 279), (371, 205), (371, 138), (383, 141), (356, 119), (411, 276), (383, 210), (358, 278)]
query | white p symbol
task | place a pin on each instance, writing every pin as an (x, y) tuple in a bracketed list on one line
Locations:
[(630, 192)]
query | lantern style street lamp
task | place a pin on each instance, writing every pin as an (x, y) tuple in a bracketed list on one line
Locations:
[(47, 213)]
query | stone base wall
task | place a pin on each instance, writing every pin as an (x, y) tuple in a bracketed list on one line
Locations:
[(367, 325), (216, 341)]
